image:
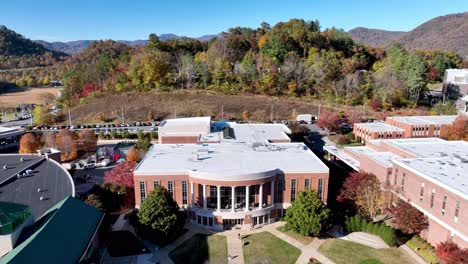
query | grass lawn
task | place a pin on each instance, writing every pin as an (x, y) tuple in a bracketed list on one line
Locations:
[(124, 243), (344, 252), (201, 248), (426, 251), (303, 239), (266, 248)]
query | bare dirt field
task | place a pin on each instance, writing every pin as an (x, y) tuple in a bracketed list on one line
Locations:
[(28, 96), (136, 106)]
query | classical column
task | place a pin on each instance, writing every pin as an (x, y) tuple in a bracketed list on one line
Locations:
[(192, 196), (247, 198), (233, 202), (260, 196), (272, 192), (204, 196), (218, 198)]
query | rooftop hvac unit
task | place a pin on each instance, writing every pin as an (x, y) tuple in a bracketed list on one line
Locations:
[(41, 198), (5, 167), (29, 172), (22, 159), (18, 176)]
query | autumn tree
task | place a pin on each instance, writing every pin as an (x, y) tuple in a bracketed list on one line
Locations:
[(49, 139), (408, 219), (458, 130), (132, 155), (329, 120), (41, 116), (450, 253), (29, 143), (94, 201), (363, 191), (245, 115), (120, 177), (87, 140), (150, 116), (66, 142)]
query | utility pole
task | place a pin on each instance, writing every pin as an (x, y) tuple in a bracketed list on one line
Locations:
[(123, 117), (318, 115), (222, 111), (271, 114), (69, 116)]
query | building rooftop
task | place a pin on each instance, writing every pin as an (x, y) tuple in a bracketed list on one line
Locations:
[(432, 149), (185, 126), (449, 171), (425, 120), (263, 133), (384, 158), (54, 182), (229, 161), (62, 235), (8, 131), (378, 127)]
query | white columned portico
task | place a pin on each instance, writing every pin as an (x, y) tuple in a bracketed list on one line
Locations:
[(247, 202), (272, 192), (260, 196), (233, 202), (204, 196), (218, 198), (192, 197)]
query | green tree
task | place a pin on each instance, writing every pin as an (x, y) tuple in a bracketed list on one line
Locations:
[(40, 116), (161, 213), (307, 215)]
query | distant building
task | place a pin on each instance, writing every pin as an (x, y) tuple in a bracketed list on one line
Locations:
[(402, 127), (455, 87), (227, 174), (430, 173), (10, 137), (29, 186)]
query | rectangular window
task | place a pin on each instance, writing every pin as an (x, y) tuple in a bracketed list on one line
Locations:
[(213, 201), (184, 192), (387, 180), (320, 188), (210, 221), (403, 182), (444, 203), (142, 191), (293, 190), (395, 180), (457, 211), (432, 197), (156, 184), (421, 193), (170, 188), (279, 191), (307, 183)]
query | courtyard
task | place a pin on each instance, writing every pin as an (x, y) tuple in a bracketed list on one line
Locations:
[(201, 248), (264, 247)]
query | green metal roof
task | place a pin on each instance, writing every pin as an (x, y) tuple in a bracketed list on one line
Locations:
[(11, 216), (61, 235)]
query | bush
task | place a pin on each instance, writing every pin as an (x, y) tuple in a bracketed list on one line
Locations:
[(342, 140), (369, 227), (359, 224)]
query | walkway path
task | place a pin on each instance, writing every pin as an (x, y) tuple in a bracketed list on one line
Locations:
[(366, 239)]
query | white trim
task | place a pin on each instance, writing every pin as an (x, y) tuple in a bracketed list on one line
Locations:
[(67, 173), (435, 181)]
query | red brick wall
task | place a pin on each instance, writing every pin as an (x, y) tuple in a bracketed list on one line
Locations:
[(177, 139)]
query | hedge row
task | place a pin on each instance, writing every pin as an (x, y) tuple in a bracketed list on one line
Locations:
[(359, 224), (124, 135)]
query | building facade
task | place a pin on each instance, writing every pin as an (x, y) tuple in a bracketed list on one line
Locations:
[(429, 173), (396, 127), (248, 177)]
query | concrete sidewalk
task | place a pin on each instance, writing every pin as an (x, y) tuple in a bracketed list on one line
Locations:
[(366, 239)]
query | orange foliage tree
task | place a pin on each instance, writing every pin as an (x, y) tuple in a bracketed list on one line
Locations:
[(29, 143), (458, 130), (88, 140), (66, 143), (49, 140), (132, 155)]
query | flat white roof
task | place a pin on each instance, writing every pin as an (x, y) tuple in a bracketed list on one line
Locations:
[(185, 126), (425, 120), (450, 171), (250, 133), (384, 158), (5, 131), (352, 162), (433, 149), (405, 140), (229, 161), (379, 127)]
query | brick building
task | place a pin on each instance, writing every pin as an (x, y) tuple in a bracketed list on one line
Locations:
[(248, 177), (430, 173), (402, 127)]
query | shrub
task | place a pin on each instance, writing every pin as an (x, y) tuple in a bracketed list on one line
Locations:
[(369, 227), (363, 225), (342, 140), (375, 229), (357, 223)]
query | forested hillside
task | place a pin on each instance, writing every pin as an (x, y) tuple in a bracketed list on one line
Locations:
[(19, 52), (294, 58), (448, 33)]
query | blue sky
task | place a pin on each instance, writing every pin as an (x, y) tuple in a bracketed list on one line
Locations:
[(65, 20)]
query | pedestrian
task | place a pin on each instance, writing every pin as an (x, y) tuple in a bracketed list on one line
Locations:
[(229, 257), (238, 236)]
